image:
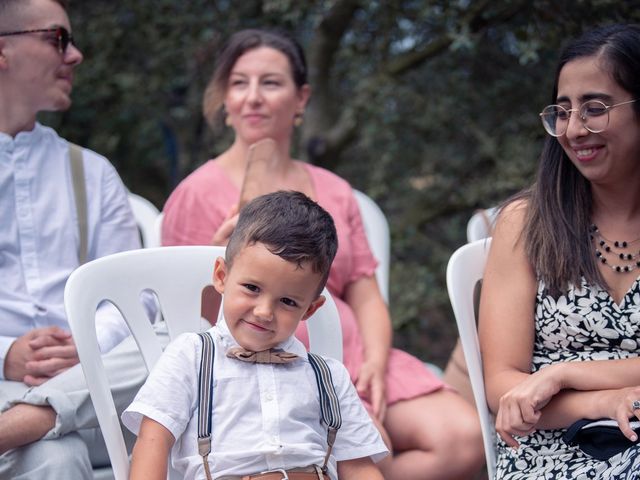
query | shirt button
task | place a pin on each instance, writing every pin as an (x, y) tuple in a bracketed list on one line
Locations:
[(268, 397), (41, 309)]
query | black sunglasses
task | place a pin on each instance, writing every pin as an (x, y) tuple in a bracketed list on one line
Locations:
[(63, 37)]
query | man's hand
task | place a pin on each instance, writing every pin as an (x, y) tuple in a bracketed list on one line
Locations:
[(40, 355)]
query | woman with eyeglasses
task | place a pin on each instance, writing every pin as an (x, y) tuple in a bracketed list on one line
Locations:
[(260, 87), (560, 306)]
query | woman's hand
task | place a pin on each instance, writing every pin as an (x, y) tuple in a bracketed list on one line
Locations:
[(370, 385), (520, 408), (371, 313), (620, 402), (221, 237)]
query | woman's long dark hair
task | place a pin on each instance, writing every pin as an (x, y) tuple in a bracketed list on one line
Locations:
[(556, 231)]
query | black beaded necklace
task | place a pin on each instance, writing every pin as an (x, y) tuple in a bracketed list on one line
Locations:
[(619, 250)]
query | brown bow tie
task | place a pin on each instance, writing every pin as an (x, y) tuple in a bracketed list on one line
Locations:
[(264, 356)]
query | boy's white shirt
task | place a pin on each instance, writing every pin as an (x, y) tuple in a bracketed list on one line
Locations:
[(265, 417)]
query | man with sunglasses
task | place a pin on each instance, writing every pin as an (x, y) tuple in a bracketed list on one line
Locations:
[(39, 249)]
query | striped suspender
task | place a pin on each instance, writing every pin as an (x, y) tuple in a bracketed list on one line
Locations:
[(80, 196), (205, 399), (329, 405)]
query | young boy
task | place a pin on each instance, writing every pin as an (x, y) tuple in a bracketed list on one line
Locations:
[(265, 417)]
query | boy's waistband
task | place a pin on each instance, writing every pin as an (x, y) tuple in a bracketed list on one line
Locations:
[(304, 473)]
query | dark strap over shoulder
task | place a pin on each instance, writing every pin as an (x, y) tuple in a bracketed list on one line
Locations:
[(80, 195), (329, 404), (205, 399)]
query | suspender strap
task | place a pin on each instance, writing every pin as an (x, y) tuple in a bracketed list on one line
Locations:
[(329, 405), (205, 399), (80, 195)]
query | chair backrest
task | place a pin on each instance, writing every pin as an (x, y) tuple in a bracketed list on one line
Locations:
[(177, 275), (157, 227), (464, 271), (481, 224), (145, 214), (376, 228)]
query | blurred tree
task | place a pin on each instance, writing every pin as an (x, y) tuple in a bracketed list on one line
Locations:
[(429, 106)]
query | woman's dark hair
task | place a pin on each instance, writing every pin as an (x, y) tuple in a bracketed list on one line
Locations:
[(556, 231), (240, 43)]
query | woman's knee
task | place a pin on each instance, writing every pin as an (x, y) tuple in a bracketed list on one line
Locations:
[(442, 421)]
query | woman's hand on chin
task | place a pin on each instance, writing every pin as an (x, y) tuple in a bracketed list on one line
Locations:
[(221, 237)]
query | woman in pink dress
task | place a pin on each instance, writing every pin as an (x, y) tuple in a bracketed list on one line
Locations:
[(260, 86)]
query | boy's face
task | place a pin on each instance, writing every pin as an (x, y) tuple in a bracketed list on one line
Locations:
[(265, 296)]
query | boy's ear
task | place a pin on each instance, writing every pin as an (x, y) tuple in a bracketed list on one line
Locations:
[(219, 275), (315, 305)]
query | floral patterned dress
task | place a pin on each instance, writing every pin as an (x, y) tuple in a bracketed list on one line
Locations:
[(584, 324)]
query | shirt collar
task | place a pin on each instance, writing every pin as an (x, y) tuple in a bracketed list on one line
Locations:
[(8, 142)]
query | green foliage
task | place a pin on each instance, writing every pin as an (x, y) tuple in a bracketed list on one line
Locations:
[(429, 106)]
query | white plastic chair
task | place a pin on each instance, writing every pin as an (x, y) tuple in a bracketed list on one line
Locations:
[(481, 224), (376, 228), (157, 227), (465, 269), (177, 275), (145, 214)]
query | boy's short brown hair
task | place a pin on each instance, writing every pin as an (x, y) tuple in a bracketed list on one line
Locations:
[(290, 225)]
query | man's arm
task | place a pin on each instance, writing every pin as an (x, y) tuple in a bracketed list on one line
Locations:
[(24, 424), (359, 469)]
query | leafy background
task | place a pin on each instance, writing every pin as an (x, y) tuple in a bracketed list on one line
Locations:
[(430, 107)]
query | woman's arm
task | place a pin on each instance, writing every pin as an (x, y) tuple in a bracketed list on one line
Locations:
[(151, 451), (595, 374), (523, 401), (507, 305), (506, 328), (359, 469), (569, 406), (372, 315)]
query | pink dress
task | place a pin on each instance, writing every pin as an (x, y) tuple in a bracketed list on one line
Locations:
[(198, 206)]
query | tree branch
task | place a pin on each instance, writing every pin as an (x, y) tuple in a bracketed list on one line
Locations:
[(324, 138), (321, 130)]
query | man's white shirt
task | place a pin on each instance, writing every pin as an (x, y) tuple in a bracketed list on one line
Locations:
[(39, 237)]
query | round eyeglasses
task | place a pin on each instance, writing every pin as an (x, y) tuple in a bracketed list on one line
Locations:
[(62, 35), (594, 115)]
